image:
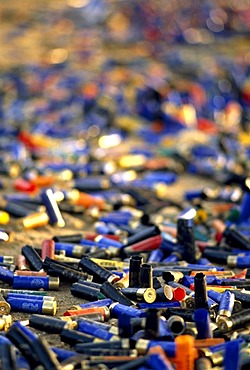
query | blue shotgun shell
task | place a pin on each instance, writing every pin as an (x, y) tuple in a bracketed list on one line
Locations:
[(86, 327), (164, 330), (210, 280), (101, 303), (6, 276), (204, 262), (52, 208), (32, 305), (239, 261), (118, 309), (36, 283), (161, 176), (245, 208), (102, 228), (173, 257), (116, 219), (71, 250), (232, 355), (90, 243), (155, 256), (216, 296), (29, 296), (221, 347), (159, 305), (204, 268), (109, 242), (194, 194), (202, 321), (63, 354), (226, 304), (236, 251)]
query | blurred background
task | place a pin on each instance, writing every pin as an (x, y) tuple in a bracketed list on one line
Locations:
[(53, 31), (193, 52)]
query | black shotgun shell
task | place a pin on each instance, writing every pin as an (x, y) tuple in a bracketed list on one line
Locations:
[(147, 295), (234, 238), (134, 271), (142, 234), (48, 324), (66, 273), (200, 288), (48, 358), (185, 235), (8, 356), (99, 273), (146, 276), (72, 337), (111, 292), (33, 258), (70, 238), (86, 292), (25, 344)]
